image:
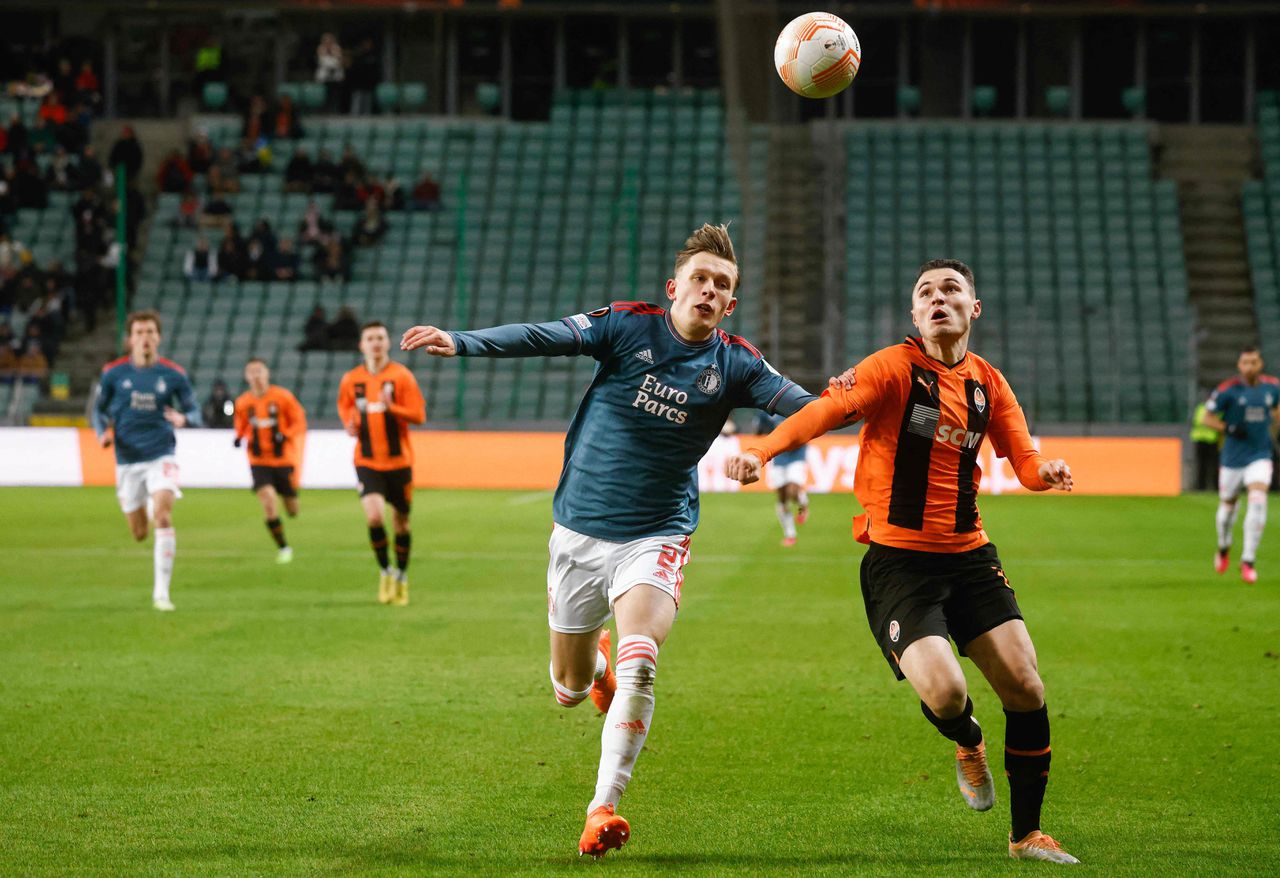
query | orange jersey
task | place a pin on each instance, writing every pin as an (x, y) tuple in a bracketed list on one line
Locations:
[(273, 424), (918, 473), (382, 426)]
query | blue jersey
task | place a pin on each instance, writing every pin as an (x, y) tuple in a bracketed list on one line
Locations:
[(1238, 403), (655, 405), (132, 401), (764, 426)]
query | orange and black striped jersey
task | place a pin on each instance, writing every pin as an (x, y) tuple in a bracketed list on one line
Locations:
[(273, 423), (918, 474), (382, 407)]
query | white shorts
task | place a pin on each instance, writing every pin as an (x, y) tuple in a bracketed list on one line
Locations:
[(1232, 480), (787, 474), (586, 575), (136, 482)]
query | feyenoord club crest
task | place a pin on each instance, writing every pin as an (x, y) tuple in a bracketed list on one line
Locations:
[(709, 381), (160, 386), (979, 399)]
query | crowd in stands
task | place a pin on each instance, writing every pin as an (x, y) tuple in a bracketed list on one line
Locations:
[(350, 76), (319, 334)]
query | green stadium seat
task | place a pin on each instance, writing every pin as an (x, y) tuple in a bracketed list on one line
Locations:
[(214, 95)]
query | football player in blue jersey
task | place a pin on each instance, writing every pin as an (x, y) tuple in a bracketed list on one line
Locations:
[(141, 399), (626, 505), (787, 475), (1246, 408)]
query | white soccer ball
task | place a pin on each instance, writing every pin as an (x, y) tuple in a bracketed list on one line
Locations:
[(817, 55)]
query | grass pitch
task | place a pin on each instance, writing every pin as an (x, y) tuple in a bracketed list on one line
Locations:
[(283, 723)]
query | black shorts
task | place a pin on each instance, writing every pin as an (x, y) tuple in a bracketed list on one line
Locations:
[(279, 477), (910, 594), (396, 485)]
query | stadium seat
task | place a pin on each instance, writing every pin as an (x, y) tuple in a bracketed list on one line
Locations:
[(214, 95), (313, 95), (413, 97)]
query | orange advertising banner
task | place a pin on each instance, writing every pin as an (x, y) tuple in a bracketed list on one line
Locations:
[(531, 461)]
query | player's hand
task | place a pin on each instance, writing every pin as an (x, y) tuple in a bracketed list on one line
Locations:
[(175, 417), (743, 468), (1057, 475), (353, 427), (108, 436), (1237, 431), (437, 342), (844, 381)]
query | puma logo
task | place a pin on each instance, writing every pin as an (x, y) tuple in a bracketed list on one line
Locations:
[(927, 385)]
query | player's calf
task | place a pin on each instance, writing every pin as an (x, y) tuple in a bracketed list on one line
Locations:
[(565, 696)]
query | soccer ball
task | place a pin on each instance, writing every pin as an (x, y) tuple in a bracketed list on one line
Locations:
[(817, 55)]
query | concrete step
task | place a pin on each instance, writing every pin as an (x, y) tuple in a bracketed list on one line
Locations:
[(1220, 247)]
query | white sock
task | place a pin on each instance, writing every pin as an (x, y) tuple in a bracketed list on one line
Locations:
[(1255, 518), (166, 544), (627, 724), (567, 697), (602, 664), (1226, 521), (786, 519), (803, 499)]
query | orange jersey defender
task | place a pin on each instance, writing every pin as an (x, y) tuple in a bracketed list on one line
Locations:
[(262, 420), (383, 427), (918, 473)]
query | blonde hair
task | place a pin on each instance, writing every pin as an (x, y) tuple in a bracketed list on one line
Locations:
[(709, 239)]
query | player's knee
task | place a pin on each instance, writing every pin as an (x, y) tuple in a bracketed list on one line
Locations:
[(1258, 497), (139, 533), (947, 699), (1026, 690)]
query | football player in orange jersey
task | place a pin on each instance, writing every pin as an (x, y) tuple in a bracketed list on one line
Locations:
[(272, 421), (930, 572), (377, 402)]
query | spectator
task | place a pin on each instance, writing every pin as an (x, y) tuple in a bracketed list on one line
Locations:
[(200, 263), (41, 137), (256, 122), (298, 173), (231, 257), (351, 193), (332, 265), (215, 214), (16, 136), (325, 175), (315, 335), (126, 151), (174, 174), (29, 190), (228, 172), (62, 173), (249, 157), (426, 193), (366, 69), (219, 183), (89, 172), (371, 226), (13, 255), (350, 163), (46, 315), (53, 111), (286, 123), (285, 265), (344, 332), (200, 152), (219, 408), (87, 207), (314, 228), (33, 366), (64, 81), (87, 88), (188, 210), (331, 67), (261, 252)]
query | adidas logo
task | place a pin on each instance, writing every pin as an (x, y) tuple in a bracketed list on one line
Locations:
[(635, 725), (645, 356)]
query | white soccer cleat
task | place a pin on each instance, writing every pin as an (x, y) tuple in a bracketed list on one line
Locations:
[(285, 555), (1038, 846), (164, 605), (973, 776)]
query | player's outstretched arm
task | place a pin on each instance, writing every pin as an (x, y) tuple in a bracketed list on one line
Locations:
[(1056, 474), (743, 468), (820, 416), (433, 340)]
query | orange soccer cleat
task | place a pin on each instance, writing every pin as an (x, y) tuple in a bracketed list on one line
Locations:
[(602, 690), (1221, 560), (1038, 846), (788, 542), (605, 831)]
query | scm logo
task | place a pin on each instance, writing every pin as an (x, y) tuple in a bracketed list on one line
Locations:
[(949, 435)]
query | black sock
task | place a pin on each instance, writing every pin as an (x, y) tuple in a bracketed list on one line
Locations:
[(962, 729), (378, 539), (402, 552), (277, 531), (1026, 763)]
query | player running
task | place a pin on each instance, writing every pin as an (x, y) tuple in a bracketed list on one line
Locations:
[(1246, 409), (141, 399), (627, 502), (377, 402), (930, 571), (786, 474), (273, 422)]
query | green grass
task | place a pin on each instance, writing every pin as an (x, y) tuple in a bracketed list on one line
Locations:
[(282, 723)]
